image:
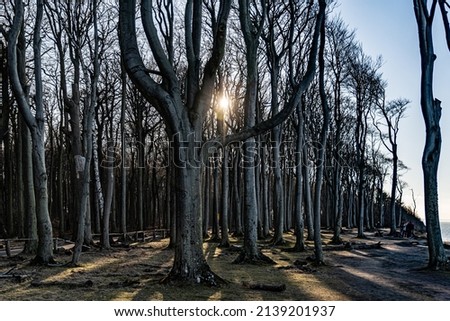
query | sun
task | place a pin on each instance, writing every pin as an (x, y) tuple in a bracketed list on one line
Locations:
[(224, 103)]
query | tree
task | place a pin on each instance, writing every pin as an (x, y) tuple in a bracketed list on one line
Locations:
[(392, 112), (183, 117), (184, 112), (36, 125), (88, 145), (340, 44), (431, 111), (321, 153), (366, 85)]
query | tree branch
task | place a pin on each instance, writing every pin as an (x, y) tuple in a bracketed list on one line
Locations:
[(152, 36), (16, 85), (164, 103), (298, 90), (442, 5)]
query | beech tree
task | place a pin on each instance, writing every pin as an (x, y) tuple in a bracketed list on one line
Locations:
[(431, 111), (391, 113), (183, 113), (35, 123), (365, 84)]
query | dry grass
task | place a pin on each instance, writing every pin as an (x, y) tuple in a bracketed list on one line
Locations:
[(390, 273)]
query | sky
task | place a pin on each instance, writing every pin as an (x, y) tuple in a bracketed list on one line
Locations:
[(388, 28)]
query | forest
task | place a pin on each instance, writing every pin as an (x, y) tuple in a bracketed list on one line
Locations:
[(253, 125)]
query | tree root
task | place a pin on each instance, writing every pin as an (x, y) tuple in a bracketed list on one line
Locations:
[(336, 240), (258, 259), (202, 277), (279, 242)]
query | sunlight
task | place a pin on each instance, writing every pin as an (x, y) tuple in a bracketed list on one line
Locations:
[(224, 103)]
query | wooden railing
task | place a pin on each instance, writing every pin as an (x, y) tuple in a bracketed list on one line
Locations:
[(138, 236)]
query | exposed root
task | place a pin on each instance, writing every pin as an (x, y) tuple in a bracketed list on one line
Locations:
[(278, 242), (336, 240), (203, 277), (258, 259)]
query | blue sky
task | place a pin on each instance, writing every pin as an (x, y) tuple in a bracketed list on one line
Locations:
[(388, 28)]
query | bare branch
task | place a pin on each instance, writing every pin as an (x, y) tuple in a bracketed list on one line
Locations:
[(443, 4)]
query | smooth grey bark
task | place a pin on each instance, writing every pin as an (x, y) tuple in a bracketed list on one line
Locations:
[(35, 124), (392, 113), (274, 59), (98, 192), (123, 168), (250, 252), (236, 197), (29, 205), (206, 200), (108, 196), (225, 241), (308, 205), (321, 153), (24, 178), (298, 198), (381, 201), (183, 121), (88, 144), (215, 237), (265, 194), (431, 111), (225, 201), (141, 135)]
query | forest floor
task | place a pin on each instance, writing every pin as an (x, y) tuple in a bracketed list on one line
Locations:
[(393, 271)]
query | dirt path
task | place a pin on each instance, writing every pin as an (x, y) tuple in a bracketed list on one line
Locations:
[(392, 272)]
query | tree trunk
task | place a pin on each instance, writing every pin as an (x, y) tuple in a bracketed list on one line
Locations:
[(123, 169), (225, 242), (298, 216), (88, 143), (28, 196), (236, 197), (109, 195), (322, 148), (206, 200), (98, 193), (45, 245), (307, 195), (189, 262), (431, 110), (393, 223)]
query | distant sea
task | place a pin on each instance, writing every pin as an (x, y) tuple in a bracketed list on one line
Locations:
[(445, 230)]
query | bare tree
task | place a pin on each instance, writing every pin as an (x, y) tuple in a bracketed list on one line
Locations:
[(183, 118), (321, 153), (87, 140), (366, 85), (391, 113), (35, 123), (431, 111)]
